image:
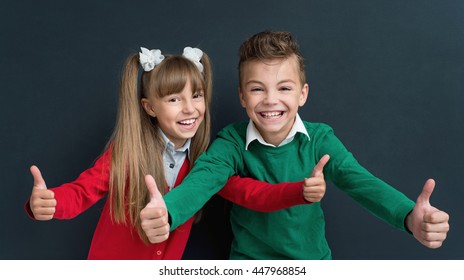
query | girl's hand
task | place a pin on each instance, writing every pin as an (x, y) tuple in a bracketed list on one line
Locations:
[(154, 217), (314, 187), (42, 201)]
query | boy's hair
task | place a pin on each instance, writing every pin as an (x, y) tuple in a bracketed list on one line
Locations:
[(136, 145), (269, 45)]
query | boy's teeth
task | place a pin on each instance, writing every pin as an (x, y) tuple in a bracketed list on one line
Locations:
[(188, 121), (271, 114)]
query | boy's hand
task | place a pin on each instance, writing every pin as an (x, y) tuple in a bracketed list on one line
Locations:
[(428, 224), (314, 187), (42, 201), (154, 217)]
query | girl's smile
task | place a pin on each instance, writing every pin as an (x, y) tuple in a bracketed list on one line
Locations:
[(188, 124), (179, 115)]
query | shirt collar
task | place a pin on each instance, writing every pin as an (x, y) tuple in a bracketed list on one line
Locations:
[(253, 133), (169, 148)]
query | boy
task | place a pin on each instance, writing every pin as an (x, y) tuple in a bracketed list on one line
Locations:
[(277, 146)]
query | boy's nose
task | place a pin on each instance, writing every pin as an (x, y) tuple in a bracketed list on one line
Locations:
[(270, 98)]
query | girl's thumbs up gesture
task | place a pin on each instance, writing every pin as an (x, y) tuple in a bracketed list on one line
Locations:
[(314, 187), (428, 224), (42, 201), (154, 217)]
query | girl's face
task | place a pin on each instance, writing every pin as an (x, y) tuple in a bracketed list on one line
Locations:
[(179, 114)]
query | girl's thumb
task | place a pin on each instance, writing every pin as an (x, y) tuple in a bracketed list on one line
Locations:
[(38, 180), (156, 199)]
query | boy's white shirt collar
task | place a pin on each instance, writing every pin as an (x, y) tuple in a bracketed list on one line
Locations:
[(253, 133)]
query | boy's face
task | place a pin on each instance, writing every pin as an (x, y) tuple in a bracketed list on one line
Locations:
[(271, 92)]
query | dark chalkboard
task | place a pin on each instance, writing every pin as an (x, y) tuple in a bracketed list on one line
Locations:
[(386, 75)]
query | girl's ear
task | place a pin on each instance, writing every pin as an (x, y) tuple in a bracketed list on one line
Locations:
[(148, 107)]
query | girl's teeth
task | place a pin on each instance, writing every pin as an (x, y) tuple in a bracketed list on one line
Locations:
[(188, 121)]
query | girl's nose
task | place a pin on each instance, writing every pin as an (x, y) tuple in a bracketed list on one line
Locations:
[(188, 106)]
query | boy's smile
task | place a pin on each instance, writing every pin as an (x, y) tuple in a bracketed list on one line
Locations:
[(271, 93)]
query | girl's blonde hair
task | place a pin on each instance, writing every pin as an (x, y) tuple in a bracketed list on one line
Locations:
[(136, 145)]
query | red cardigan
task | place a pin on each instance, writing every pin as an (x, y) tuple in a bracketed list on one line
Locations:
[(117, 241)]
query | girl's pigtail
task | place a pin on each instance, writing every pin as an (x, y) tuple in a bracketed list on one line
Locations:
[(127, 146)]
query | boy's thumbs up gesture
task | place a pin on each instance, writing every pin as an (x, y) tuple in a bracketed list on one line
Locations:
[(314, 187), (42, 201), (428, 224), (154, 217)]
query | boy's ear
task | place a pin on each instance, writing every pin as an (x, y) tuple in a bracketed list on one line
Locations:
[(148, 107), (242, 100), (304, 94)]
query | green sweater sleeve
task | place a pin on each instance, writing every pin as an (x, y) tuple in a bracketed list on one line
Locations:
[(208, 175), (346, 173)]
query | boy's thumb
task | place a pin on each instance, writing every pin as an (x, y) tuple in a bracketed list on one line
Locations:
[(156, 199), (424, 198), (38, 180)]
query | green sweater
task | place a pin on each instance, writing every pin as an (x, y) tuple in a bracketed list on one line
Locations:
[(296, 232)]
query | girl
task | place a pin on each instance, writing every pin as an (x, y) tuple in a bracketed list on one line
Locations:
[(162, 128), (157, 123)]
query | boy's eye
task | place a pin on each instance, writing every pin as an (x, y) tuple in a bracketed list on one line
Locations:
[(285, 88), (256, 89)]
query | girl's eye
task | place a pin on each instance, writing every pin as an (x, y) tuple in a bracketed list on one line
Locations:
[(173, 99), (198, 94), (256, 89)]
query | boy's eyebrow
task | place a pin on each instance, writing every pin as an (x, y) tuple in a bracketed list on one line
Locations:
[(253, 82), (280, 82), (287, 81)]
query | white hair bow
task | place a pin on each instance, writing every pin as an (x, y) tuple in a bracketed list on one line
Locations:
[(194, 54), (150, 58)]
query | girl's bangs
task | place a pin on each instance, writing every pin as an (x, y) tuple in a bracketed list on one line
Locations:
[(174, 76)]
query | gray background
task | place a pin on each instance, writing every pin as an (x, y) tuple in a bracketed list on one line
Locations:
[(386, 75)]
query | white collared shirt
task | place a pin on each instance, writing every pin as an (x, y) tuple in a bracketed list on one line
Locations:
[(173, 159), (253, 133)]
